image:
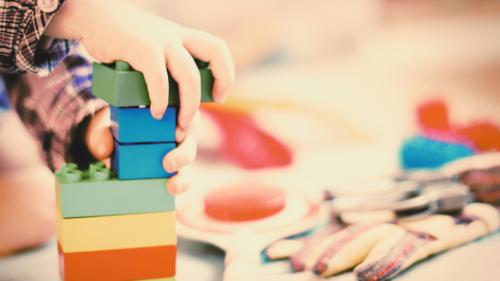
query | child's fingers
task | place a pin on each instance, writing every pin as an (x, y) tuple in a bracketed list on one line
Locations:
[(183, 69), (181, 156), (181, 134), (214, 50), (180, 182), (152, 65), (100, 143), (98, 136)]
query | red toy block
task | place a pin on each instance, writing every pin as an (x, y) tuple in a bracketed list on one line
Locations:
[(118, 265), (484, 135), (244, 203), (433, 115)]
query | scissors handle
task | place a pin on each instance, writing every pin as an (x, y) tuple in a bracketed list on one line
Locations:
[(242, 261)]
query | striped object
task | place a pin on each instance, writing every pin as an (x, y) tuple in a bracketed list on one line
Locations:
[(390, 263), (330, 254), (382, 251), (418, 240), (298, 259), (341, 241)]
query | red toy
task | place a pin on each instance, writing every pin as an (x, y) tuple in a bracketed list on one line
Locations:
[(245, 143), (434, 122), (244, 203)]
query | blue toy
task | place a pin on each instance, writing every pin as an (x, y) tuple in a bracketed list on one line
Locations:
[(140, 161), (136, 125), (424, 153)]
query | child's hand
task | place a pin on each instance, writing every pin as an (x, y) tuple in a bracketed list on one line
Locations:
[(99, 141), (116, 30)]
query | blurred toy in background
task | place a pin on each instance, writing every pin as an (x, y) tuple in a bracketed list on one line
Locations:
[(380, 251), (244, 143), (434, 122), (243, 219), (485, 183), (422, 152), (440, 141), (430, 212)]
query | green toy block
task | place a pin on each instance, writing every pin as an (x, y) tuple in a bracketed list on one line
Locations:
[(97, 192), (120, 85)]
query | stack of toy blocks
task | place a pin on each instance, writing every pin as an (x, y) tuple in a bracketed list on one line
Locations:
[(119, 224)]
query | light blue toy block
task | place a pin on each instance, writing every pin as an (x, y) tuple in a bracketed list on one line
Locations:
[(136, 125), (141, 161), (97, 192)]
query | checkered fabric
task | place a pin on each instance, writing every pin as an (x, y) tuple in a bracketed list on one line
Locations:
[(53, 106), (22, 44), (52, 98)]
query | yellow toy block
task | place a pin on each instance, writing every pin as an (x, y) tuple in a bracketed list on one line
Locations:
[(156, 279), (116, 232)]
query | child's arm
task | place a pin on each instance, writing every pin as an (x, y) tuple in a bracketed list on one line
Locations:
[(23, 48), (117, 30)]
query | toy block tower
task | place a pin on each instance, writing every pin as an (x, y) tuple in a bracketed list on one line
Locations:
[(119, 224)]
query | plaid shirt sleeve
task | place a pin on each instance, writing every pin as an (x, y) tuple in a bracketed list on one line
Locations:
[(23, 48), (53, 107)]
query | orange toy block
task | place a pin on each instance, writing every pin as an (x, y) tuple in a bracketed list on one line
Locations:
[(118, 265)]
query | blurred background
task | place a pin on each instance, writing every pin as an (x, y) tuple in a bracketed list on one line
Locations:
[(328, 90), (332, 78)]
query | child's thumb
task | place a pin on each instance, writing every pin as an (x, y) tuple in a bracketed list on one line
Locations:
[(98, 138)]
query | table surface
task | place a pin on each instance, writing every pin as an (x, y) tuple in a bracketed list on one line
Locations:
[(197, 261)]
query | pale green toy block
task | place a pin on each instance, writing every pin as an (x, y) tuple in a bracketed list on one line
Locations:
[(120, 85), (97, 192)]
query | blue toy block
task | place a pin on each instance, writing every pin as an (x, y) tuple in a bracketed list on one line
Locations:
[(97, 192), (424, 153), (136, 125), (141, 161)]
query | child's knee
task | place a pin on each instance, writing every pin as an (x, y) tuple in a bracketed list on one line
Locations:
[(27, 208)]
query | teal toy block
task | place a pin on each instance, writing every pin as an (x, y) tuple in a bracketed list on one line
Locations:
[(97, 192), (121, 86), (421, 152), (136, 125), (140, 161)]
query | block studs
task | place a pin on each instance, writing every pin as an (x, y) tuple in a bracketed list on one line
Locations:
[(100, 174), (72, 176), (122, 66)]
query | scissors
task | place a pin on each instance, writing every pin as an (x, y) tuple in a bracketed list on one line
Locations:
[(413, 195), (405, 201)]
